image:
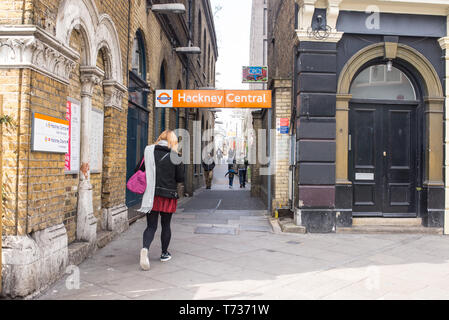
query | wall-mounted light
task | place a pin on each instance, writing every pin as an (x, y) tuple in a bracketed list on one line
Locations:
[(389, 65), (188, 50), (176, 8)]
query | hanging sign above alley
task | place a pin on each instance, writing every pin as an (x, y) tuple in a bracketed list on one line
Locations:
[(255, 74), (259, 99)]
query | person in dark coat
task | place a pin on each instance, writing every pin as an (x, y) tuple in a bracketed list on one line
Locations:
[(208, 166), (161, 194)]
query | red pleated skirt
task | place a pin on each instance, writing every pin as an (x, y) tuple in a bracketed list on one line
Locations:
[(165, 205)]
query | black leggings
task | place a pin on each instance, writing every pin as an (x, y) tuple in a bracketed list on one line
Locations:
[(152, 220)]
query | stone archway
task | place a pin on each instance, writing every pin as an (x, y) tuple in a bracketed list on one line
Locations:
[(433, 100), (100, 34)]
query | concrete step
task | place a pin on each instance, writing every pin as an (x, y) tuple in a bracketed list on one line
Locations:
[(382, 229), (404, 222), (288, 226)]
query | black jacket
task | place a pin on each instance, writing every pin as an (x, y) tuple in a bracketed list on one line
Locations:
[(168, 174), (208, 167)]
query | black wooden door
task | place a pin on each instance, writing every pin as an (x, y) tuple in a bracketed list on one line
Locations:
[(137, 142), (383, 159)]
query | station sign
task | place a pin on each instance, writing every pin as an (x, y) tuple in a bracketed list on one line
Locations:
[(258, 99), (49, 134), (255, 74)]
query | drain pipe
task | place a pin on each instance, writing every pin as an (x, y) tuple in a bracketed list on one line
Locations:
[(269, 195)]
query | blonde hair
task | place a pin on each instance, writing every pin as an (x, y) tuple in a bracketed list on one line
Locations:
[(171, 138)]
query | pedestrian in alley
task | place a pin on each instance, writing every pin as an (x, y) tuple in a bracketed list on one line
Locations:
[(161, 195), (232, 171), (219, 156), (208, 166), (243, 170)]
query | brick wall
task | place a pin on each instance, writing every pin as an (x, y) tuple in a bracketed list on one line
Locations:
[(281, 27), (39, 193), (16, 11), (15, 87)]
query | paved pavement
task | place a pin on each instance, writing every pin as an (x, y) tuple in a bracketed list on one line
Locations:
[(263, 264)]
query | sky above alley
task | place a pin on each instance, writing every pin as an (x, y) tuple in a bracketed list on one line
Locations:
[(232, 23)]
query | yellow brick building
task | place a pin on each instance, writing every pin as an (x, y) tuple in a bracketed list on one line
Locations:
[(56, 210)]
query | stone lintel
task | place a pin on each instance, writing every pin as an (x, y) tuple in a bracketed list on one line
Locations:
[(29, 46)]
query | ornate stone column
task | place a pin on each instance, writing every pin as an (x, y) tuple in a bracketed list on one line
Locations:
[(86, 229), (444, 43)]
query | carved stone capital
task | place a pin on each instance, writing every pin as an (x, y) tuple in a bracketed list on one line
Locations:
[(444, 43), (32, 47), (114, 93), (90, 77), (305, 14), (333, 10)]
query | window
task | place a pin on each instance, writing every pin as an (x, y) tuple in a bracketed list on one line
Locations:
[(377, 82), (208, 64), (204, 52), (200, 27), (138, 56), (137, 75)]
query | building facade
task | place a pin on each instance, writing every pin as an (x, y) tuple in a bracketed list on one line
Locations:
[(92, 66), (368, 107)]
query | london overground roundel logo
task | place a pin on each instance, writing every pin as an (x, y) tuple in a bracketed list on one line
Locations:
[(165, 99)]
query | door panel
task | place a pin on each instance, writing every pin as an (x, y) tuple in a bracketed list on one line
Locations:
[(383, 159), (400, 145), (137, 141), (365, 160)]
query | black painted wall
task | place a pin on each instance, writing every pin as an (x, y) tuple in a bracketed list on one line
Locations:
[(324, 205), (316, 131)]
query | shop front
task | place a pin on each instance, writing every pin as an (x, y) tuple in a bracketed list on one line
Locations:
[(370, 119)]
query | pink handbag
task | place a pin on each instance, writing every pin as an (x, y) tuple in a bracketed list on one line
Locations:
[(138, 182)]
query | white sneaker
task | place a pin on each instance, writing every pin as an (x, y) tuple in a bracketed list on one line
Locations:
[(144, 261)]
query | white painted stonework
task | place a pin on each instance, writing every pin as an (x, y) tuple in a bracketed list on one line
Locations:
[(32, 263), (32, 47), (114, 93), (98, 31), (117, 219)]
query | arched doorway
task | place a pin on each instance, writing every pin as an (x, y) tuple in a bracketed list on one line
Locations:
[(384, 138), (138, 114), (412, 72)]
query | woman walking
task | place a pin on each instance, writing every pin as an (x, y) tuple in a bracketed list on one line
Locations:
[(161, 195)]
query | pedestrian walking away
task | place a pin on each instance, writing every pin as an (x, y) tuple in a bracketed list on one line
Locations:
[(161, 195), (232, 171), (208, 166), (243, 170), (220, 156)]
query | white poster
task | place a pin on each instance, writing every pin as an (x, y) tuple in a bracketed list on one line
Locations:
[(49, 134), (96, 140), (73, 157)]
